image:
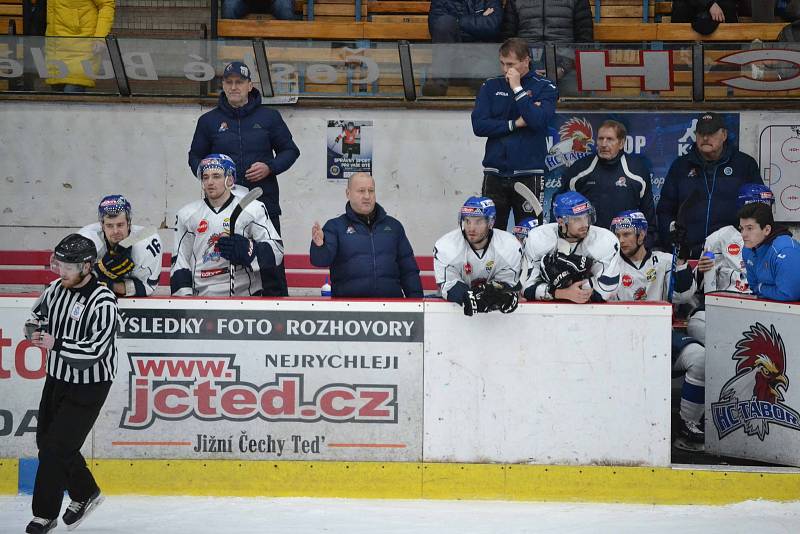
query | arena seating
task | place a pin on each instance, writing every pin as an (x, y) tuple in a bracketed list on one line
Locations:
[(10, 10), (29, 270)]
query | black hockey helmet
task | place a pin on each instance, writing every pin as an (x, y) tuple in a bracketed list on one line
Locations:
[(75, 248)]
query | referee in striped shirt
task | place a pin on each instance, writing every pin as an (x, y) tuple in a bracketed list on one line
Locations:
[(75, 320)]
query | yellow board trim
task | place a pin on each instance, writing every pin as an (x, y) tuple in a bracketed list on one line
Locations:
[(9, 474), (388, 480)]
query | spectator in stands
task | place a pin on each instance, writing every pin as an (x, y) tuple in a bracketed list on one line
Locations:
[(707, 179), (771, 256), (76, 18), (257, 140), (367, 251), (770, 10), (612, 181), (128, 271), (704, 15), (513, 112), (458, 21), (559, 21), (237, 9)]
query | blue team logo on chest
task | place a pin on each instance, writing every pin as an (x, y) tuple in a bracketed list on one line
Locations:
[(76, 311)]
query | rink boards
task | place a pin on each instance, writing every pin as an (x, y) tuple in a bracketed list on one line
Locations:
[(403, 399)]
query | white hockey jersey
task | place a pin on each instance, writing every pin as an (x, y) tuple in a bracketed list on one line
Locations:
[(729, 273), (145, 255), (454, 260), (599, 244), (650, 280), (199, 269)]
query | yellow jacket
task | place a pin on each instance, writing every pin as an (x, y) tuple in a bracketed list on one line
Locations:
[(75, 18)]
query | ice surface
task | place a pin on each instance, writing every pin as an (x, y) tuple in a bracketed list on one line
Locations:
[(207, 515)]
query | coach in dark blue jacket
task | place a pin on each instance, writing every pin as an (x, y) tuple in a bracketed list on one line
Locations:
[(513, 111), (710, 175), (367, 251), (254, 136), (613, 181)]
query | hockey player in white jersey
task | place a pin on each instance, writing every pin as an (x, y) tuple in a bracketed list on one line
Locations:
[(726, 271), (571, 259), (646, 276), (128, 271), (524, 227), (206, 246), (476, 265)]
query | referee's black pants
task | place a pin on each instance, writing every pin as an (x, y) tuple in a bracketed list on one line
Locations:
[(501, 191), (67, 413)]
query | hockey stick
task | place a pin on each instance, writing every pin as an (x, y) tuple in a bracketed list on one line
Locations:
[(525, 192), (134, 238), (237, 210), (680, 219)]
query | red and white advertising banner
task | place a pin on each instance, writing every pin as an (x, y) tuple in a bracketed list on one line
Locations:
[(753, 379), (255, 379)]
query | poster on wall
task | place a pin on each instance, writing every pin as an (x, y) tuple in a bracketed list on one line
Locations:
[(659, 138), (779, 160), (349, 148)]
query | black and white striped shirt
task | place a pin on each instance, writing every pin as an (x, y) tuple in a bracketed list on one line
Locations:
[(84, 323)]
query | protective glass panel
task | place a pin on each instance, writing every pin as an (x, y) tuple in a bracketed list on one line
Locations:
[(751, 70)]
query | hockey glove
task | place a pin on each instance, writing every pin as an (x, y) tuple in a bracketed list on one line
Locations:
[(679, 236), (116, 264), (101, 277), (470, 304), (562, 270), (494, 296), (237, 249)]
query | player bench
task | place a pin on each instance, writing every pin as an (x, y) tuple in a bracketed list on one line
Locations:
[(24, 271)]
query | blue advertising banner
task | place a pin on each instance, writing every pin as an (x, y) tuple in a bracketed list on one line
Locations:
[(658, 138)]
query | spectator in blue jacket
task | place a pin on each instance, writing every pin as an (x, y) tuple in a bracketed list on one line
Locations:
[(613, 181), (367, 251), (513, 112), (458, 21), (771, 256), (254, 136), (710, 174)]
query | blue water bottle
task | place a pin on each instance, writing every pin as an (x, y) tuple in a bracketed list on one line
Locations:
[(325, 290)]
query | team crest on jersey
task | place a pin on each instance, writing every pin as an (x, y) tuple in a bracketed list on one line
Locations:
[(489, 266), (350, 230), (226, 224), (223, 127), (467, 268), (752, 399), (734, 249), (650, 274), (202, 226), (640, 294), (692, 172), (576, 141), (621, 182), (728, 171), (212, 252), (627, 280), (76, 311), (742, 286)]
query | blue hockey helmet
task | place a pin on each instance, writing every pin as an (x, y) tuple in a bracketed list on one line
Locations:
[(113, 205), (630, 219), (572, 204), (522, 229), (478, 207), (217, 161), (750, 193)]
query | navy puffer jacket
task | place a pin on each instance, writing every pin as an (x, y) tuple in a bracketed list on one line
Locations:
[(248, 134), (376, 262)]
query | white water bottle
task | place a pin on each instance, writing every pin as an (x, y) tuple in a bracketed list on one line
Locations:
[(325, 290)]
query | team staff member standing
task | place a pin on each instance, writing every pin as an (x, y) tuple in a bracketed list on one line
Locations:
[(75, 320), (513, 111), (612, 181), (254, 136)]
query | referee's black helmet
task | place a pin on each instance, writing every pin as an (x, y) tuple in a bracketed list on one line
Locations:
[(75, 248)]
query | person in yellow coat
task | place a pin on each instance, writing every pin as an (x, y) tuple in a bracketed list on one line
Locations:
[(73, 63)]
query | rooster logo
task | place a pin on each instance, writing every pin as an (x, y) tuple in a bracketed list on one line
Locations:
[(576, 142), (752, 398)]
